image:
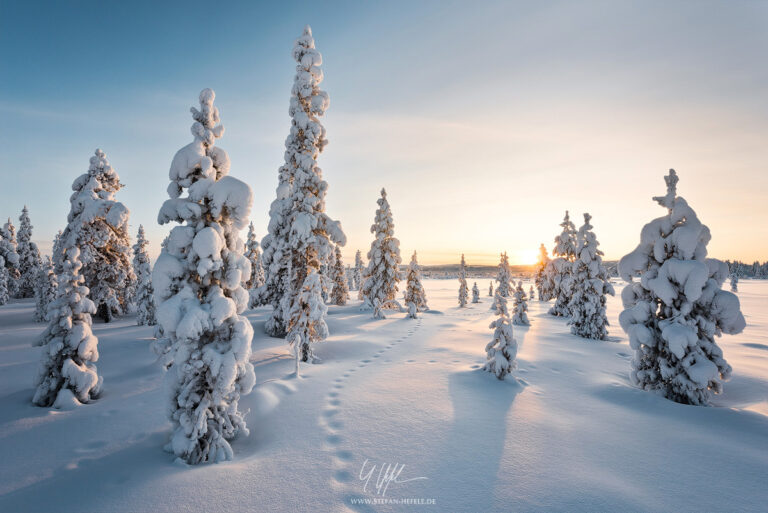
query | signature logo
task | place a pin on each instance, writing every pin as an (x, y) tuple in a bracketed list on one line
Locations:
[(388, 473)]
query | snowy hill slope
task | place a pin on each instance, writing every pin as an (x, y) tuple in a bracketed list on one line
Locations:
[(571, 435)]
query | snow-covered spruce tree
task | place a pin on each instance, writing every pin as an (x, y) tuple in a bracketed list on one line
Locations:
[(45, 289), (57, 254), (144, 296), (29, 256), (383, 271), (734, 282), (560, 268), (490, 289), (359, 270), (531, 295), (199, 295), (520, 305), (502, 350), (350, 278), (475, 293), (4, 292), (503, 276), (67, 374), (256, 280), (463, 289), (9, 262), (539, 275), (340, 291), (98, 225), (13, 261), (415, 296), (677, 308), (311, 232), (590, 285)]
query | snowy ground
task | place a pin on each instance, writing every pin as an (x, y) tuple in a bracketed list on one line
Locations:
[(571, 435)]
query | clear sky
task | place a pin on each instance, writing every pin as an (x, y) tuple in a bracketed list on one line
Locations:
[(484, 120)]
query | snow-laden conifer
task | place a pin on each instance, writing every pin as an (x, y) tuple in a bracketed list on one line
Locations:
[(490, 289), (29, 256), (590, 285), (415, 296), (340, 291), (475, 293), (677, 308), (502, 350), (199, 295), (45, 289), (531, 295), (463, 289), (98, 225), (734, 282), (12, 260), (520, 305), (312, 233), (256, 280), (67, 375), (57, 253), (503, 276), (9, 264), (540, 275), (358, 271), (143, 299), (559, 269), (383, 271)]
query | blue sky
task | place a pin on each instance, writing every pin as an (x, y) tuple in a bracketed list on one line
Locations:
[(484, 120)]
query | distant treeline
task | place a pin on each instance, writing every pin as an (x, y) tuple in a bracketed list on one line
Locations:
[(753, 270)]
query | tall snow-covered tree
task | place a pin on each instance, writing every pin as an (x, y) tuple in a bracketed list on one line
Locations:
[(383, 273), (463, 290), (559, 270), (340, 291), (677, 308), (9, 264), (256, 280), (503, 276), (415, 296), (57, 253), (531, 293), (144, 293), (540, 275), (490, 289), (45, 289), (520, 305), (475, 293), (98, 225), (359, 270), (29, 256), (734, 282), (67, 375), (502, 350), (12, 263), (591, 283), (312, 233), (199, 295)]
